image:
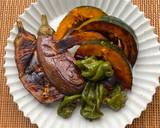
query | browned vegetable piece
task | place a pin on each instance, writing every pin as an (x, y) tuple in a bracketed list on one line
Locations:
[(25, 44), (115, 30), (30, 71), (76, 17), (109, 52), (78, 39), (60, 69)]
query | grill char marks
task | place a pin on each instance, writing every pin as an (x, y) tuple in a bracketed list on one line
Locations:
[(30, 71), (60, 69)]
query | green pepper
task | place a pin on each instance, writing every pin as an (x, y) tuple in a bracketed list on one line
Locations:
[(68, 105), (107, 67), (86, 94), (99, 74), (116, 100), (91, 65), (92, 97), (93, 69), (99, 95), (89, 112)]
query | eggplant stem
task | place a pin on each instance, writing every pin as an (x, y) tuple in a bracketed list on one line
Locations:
[(44, 20), (20, 26), (45, 29)]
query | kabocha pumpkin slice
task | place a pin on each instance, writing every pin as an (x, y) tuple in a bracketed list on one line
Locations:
[(111, 53), (76, 17), (115, 30), (78, 39), (30, 71)]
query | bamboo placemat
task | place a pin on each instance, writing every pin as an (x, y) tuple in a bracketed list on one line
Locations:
[(10, 117)]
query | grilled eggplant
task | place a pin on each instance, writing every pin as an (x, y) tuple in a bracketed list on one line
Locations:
[(30, 71), (60, 69)]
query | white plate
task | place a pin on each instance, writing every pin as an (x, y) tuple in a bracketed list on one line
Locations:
[(145, 72)]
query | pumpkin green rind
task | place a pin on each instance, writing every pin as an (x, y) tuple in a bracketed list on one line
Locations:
[(113, 28)]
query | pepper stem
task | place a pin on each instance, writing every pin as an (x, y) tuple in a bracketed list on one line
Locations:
[(20, 26), (45, 29)]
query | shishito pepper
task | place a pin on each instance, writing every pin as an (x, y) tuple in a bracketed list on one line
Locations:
[(94, 69), (117, 98), (68, 105), (91, 101)]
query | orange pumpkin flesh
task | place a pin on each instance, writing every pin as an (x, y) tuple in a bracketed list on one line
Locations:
[(118, 61), (115, 30), (76, 17), (78, 39)]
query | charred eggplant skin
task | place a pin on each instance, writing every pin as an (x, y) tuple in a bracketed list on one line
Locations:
[(25, 44), (60, 69), (30, 71)]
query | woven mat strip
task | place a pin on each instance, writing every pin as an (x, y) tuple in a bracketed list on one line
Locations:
[(10, 117)]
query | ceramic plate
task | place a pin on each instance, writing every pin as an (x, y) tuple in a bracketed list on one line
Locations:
[(145, 72)]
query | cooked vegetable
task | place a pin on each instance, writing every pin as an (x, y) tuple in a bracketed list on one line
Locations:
[(68, 105), (30, 71), (111, 53), (25, 44), (77, 39), (76, 17), (117, 98), (94, 69), (100, 93), (49, 72), (115, 30), (91, 101), (95, 93), (60, 69)]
